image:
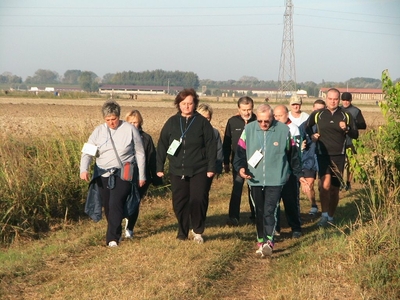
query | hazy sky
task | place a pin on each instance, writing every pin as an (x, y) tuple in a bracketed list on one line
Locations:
[(218, 40)]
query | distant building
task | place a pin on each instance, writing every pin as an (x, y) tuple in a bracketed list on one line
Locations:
[(139, 89), (358, 93), (301, 93)]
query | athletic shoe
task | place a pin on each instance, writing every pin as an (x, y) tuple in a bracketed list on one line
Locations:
[(259, 250), (197, 237), (112, 244), (267, 248), (232, 222), (128, 234), (296, 234), (323, 222), (313, 210)]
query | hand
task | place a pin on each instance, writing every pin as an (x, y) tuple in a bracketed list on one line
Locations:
[(303, 145), (85, 176), (160, 174), (343, 125), (242, 173), (315, 137), (210, 174), (142, 183)]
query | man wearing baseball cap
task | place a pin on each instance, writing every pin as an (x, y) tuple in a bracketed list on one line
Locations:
[(296, 115)]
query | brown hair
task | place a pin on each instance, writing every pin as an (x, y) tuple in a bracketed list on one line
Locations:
[(183, 94)]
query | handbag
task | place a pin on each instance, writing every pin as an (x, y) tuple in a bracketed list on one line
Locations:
[(127, 170)]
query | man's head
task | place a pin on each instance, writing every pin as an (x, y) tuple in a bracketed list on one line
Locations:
[(332, 99), (265, 116), (281, 114), (245, 107), (319, 104), (346, 99), (295, 104)]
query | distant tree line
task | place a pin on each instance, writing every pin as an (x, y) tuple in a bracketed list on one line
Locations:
[(90, 82), (312, 88), (156, 77)]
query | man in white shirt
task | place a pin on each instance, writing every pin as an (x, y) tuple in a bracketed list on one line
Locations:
[(296, 115)]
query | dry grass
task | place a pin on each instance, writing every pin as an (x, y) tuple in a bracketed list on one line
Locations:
[(73, 263)]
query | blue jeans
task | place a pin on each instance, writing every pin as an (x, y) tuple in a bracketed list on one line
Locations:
[(266, 202)]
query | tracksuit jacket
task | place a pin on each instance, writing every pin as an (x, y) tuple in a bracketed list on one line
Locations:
[(280, 154)]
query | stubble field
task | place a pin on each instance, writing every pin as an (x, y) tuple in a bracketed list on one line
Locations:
[(27, 117)]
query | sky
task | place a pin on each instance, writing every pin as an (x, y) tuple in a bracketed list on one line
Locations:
[(216, 39)]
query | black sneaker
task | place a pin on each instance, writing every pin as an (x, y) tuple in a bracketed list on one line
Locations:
[(232, 222)]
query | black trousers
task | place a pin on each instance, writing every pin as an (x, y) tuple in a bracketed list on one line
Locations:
[(236, 197), (114, 201), (190, 202), (266, 201), (290, 198), (133, 218)]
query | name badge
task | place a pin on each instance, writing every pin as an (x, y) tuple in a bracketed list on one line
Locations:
[(89, 149), (173, 147), (255, 158)]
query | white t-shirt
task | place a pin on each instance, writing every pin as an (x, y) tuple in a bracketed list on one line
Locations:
[(298, 121)]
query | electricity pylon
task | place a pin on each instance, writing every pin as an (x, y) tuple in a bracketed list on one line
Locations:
[(287, 68)]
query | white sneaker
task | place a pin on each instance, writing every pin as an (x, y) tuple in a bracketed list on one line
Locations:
[(197, 237), (112, 244), (128, 234)]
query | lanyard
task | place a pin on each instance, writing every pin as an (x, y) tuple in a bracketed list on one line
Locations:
[(184, 132)]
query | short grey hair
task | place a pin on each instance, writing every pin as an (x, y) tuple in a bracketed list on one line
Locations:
[(111, 108), (263, 108)]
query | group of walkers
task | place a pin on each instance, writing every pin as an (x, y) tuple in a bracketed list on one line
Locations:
[(277, 155)]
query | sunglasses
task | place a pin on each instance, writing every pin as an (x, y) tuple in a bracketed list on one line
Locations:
[(264, 121)]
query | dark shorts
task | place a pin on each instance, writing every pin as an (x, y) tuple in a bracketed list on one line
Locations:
[(331, 164), (310, 173)]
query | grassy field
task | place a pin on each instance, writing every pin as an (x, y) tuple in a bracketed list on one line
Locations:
[(70, 261)]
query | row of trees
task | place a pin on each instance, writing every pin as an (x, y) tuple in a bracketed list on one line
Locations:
[(90, 82), (311, 87)]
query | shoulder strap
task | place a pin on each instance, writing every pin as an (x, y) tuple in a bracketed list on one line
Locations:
[(316, 120), (115, 150)]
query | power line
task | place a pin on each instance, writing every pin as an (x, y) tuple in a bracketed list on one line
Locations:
[(348, 30), (350, 13), (351, 20), (140, 26)]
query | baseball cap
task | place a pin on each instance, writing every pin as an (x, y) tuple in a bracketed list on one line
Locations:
[(295, 100), (346, 96)]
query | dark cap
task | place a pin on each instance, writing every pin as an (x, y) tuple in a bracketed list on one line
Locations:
[(346, 96)]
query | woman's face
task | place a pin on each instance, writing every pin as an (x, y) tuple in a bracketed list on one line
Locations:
[(112, 121), (134, 121), (187, 106)]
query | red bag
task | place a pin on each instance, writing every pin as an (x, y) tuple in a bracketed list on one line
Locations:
[(127, 171)]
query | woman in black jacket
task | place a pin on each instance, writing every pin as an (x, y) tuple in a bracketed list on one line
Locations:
[(135, 118), (187, 139)]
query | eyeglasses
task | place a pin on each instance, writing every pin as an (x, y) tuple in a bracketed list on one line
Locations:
[(264, 121)]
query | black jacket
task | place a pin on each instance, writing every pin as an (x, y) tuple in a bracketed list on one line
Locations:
[(197, 151), (150, 152), (233, 130)]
